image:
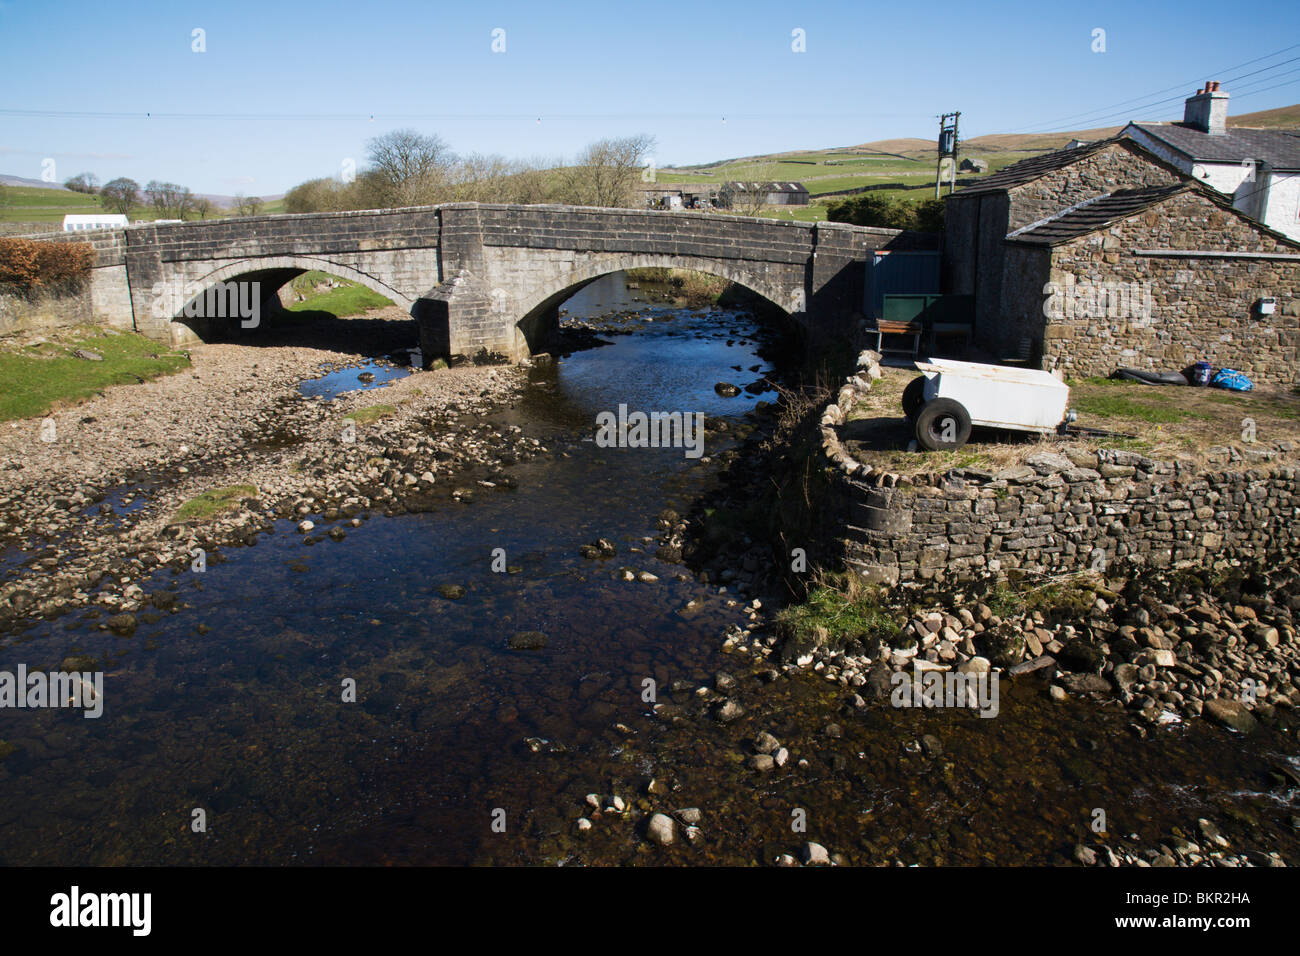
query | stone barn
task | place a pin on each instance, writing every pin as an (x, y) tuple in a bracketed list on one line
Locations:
[(978, 218), (1157, 277)]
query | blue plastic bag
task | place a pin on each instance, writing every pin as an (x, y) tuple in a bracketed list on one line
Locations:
[(1231, 379)]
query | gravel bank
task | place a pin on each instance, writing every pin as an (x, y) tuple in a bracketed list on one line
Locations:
[(235, 418)]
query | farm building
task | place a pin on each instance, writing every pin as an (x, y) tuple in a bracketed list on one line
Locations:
[(679, 195), (1158, 277), (769, 194), (1106, 255), (80, 223)]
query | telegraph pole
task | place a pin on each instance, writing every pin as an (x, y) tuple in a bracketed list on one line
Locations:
[(947, 147)]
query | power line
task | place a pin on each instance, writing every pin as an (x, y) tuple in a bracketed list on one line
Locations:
[(1107, 111), (1171, 99), (441, 117)]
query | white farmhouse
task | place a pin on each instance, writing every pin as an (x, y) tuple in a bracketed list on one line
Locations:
[(1258, 168)]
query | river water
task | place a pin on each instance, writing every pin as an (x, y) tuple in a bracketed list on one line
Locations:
[(459, 749)]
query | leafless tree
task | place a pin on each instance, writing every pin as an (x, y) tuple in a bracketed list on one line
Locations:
[(410, 167), (203, 206), (607, 171), (83, 183), (752, 201), (169, 200), (248, 205)]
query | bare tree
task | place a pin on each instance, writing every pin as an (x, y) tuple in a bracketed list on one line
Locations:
[(120, 194), (607, 171), (203, 206), (169, 200), (248, 205), (751, 198), (410, 167)]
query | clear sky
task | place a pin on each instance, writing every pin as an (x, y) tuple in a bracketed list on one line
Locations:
[(285, 90)]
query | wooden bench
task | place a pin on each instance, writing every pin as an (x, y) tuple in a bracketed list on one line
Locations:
[(887, 327)]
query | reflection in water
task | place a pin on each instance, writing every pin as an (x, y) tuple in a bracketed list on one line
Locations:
[(358, 378)]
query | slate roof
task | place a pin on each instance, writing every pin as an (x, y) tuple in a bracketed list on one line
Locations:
[(1093, 214), (767, 187), (1027, 170), (1280, 148), (1096, 214)]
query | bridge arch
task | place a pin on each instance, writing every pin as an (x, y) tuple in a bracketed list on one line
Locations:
[(274, 272), (539, 310)]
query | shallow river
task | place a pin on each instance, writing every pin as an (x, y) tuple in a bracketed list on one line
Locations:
[(235, 705)]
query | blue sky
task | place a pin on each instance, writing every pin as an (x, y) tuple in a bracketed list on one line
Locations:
[(246, 115)]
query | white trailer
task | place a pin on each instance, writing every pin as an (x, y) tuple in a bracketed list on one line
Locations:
[(950, 397)]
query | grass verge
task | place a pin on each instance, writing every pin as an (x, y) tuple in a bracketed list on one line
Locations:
[(40, 377), (345, 300)]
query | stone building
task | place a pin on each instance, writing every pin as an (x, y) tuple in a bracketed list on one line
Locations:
[(1106, 255), (978, 218), (1157, 277), (1258, 168)]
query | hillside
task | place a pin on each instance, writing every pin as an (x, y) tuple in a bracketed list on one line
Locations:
[(902, 168), (905, 167)]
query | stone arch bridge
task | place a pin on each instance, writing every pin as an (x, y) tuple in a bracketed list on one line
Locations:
[(477, 275)]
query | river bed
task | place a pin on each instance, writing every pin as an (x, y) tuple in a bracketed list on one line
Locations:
[(460, 749)]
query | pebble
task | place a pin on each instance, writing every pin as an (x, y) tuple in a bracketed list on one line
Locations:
[(814, 854), (661, 829)]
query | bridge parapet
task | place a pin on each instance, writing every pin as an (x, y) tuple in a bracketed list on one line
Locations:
[(486, 275)]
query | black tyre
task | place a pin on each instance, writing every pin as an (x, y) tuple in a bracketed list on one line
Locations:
[(942, 425), (914, 397)]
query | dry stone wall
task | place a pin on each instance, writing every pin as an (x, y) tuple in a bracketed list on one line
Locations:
[(1059, 512)]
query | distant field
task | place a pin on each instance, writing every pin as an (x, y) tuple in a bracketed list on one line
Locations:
[(910, 161), (839, 170), (35, 204)]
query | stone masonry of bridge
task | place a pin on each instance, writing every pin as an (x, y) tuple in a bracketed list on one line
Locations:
[(478, 276)]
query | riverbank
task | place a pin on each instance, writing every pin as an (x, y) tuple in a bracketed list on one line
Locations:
[(834, 696), (85, 517)]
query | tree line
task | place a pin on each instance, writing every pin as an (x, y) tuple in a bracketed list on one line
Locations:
[(167, 200), (408, 168)]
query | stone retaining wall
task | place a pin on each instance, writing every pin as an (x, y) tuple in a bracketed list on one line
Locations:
[(1059, 512)]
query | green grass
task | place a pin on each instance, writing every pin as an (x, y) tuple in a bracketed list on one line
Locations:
[(348, 299), (36, 204), (371, 413), (213, 502), (853, 613), (39, 376), (1155, 407)]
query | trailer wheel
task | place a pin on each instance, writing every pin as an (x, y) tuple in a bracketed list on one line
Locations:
[(914, 397), (942, 425)]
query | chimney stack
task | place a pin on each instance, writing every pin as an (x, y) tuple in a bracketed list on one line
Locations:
[(1207, 110)]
